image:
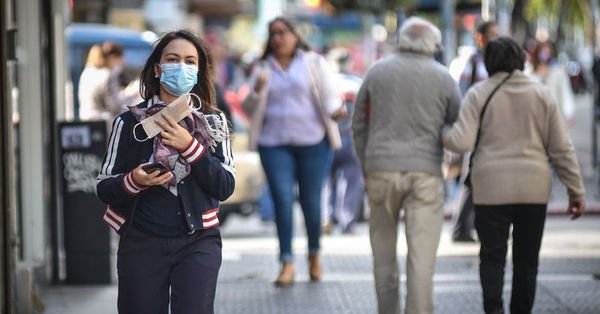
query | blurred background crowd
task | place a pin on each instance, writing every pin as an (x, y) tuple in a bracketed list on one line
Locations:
[(77, 61), (352, 35)]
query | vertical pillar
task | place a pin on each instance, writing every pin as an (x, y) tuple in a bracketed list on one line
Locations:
[(596, 109), (503, 16), (5, 269), (8, 194), (448, 32), (31, 131), (59, 12)]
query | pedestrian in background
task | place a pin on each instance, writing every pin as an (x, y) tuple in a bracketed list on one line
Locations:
[(513, 126), (118, 93), (102, 94), (548, 71), (223, 69), (92, 86), (344, 189), (170, 245), (291, 105), (475, 71), (401, 108)]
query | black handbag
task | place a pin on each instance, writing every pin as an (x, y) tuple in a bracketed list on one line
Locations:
[(468, 177)]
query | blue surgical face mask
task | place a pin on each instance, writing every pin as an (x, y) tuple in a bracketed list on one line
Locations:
[(178, 78)]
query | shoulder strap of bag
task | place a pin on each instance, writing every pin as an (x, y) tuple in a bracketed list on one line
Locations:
[(485, 105), (473, 70)]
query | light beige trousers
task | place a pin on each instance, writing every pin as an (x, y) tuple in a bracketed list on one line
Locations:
[(421, 195)]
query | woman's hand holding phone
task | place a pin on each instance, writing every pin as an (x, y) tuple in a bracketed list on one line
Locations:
[(157, 166), (155, 176)]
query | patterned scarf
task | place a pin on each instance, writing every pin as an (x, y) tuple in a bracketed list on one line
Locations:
[(207, 134)]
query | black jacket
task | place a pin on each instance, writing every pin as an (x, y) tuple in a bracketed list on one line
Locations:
[(212, 176)]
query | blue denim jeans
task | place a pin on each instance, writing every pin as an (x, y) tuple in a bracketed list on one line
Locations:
[(266, 209), (285, 166)]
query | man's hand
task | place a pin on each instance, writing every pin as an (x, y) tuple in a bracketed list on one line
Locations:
[(576, 208), (340, 114)]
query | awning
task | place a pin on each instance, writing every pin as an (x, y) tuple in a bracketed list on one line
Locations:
[(436, 5), (215, 7)]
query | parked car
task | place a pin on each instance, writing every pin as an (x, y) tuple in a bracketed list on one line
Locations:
[(137, 47)]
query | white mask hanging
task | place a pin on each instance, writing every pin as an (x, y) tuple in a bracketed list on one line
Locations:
[(176, 110)]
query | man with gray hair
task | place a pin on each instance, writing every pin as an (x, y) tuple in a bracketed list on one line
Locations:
[(401, 108)]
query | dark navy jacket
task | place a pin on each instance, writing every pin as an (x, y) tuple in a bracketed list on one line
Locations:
[(212, 176)]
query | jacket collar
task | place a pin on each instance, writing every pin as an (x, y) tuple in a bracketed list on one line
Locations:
[(517, 77), (155, 100)]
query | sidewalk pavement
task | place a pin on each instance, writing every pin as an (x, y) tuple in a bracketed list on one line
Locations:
[(568, 276)]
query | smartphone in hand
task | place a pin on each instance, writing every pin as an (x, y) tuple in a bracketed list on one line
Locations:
[(150, 168)]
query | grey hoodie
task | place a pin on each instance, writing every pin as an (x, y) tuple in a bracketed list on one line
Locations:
[(401, 109)]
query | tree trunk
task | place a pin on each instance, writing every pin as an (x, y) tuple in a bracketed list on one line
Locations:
[(519, 25), (560, 36), (594, 9)]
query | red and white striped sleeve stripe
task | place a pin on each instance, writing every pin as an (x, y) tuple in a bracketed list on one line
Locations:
[(193, 151), (130, 186), (113, 219), (210, 219)]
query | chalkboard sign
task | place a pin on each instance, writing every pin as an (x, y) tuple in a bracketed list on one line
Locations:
[(86, 237)]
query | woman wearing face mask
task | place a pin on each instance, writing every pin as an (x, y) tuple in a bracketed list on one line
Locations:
[(291, 107), (170, 245), (547, 71)]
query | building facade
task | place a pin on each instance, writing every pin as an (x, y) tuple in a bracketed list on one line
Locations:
[(32, 86), (33, 73)]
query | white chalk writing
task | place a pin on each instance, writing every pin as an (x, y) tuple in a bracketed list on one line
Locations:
[(80, 171)]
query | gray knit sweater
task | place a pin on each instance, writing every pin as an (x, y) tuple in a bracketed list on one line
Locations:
[(401, 109)]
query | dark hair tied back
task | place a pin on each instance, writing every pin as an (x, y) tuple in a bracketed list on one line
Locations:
[(503, 54)]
